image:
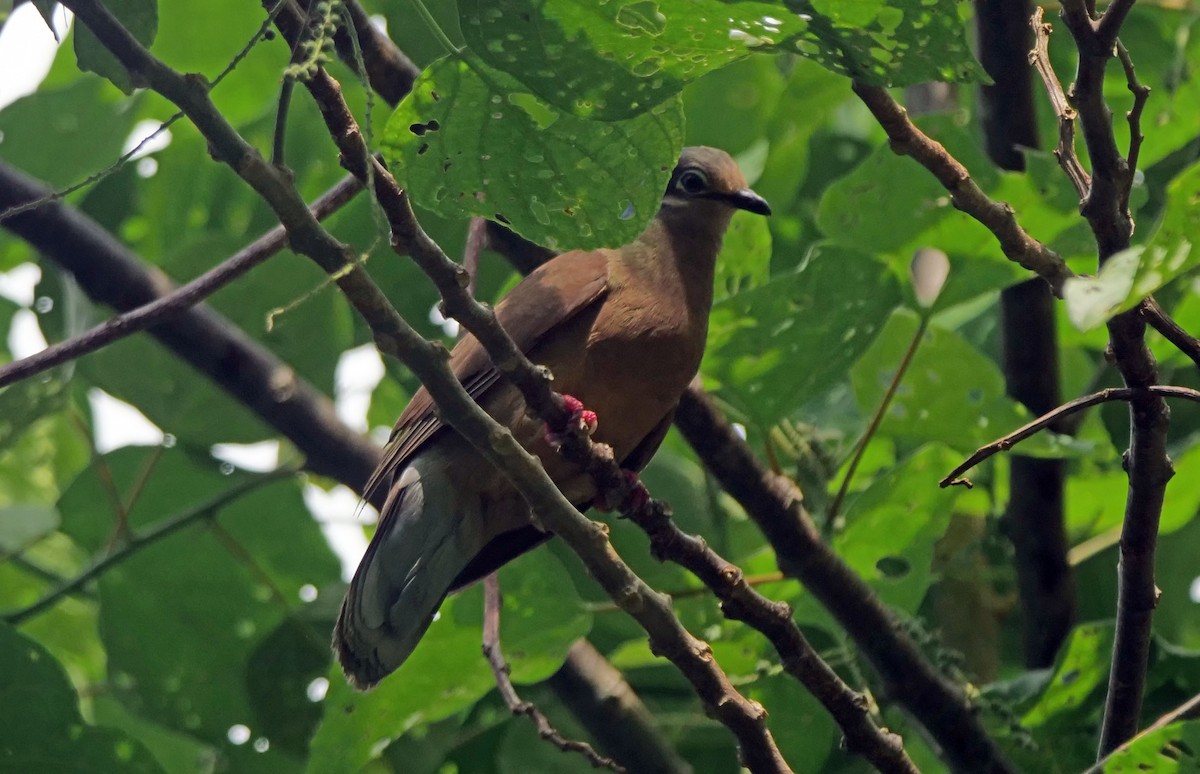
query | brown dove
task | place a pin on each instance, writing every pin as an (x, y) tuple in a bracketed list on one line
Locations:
[(622, 330)]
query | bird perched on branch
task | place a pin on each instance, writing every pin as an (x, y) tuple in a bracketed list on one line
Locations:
[(622, 330)]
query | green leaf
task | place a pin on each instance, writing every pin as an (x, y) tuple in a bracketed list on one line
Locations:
[(26, 402), (63, 135), (1131, 275), (43, 729), (1172, 748), (184, 618), (778, 345), (893, 525), (470, 140), (139, 17), (542, 615), (1081, 669), (615, 60), (951, 392), (862, 209)]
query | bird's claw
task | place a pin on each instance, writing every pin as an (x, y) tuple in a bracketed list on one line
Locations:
[(582, 419)]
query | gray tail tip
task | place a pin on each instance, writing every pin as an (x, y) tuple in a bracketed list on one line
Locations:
[(363, 673)]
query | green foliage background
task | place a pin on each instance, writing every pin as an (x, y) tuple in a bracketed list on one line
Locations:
[(569, 137)]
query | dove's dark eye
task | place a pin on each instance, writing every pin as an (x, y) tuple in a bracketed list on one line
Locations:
[(693, 181)]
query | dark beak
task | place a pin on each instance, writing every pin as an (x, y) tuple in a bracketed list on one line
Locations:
[(746, 199)]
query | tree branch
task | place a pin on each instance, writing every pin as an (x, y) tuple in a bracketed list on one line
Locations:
[(775, 506), (172, 303), (428, 361), (110, 274), (1106, 208), (492, 604), (1170, 330), (1039, 57), (1025, 431), (907, 140)]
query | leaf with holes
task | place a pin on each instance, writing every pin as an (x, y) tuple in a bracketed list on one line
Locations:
[(777, 345), (612, 60), (469, 140), (951, 393)]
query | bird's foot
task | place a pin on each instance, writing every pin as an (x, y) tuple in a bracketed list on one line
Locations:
[(634, 498), (581, 419)]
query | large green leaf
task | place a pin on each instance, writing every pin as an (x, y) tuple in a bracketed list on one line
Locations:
[(470, 140), (776, 346), (183, 619), (42, 729), (1080, 670), (892, 528), (63, 135), (613, 60), (951, 393)]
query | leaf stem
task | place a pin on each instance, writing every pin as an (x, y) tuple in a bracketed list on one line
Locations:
[(876, 420), (139, 541), (435, 29)]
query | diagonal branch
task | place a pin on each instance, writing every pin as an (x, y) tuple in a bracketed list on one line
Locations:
[(428, 361), (1070, 407), (110, 274), (998, 217), (740, 601), (172, 303)]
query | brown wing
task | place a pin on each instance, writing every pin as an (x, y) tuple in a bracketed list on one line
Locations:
[(552, 294)]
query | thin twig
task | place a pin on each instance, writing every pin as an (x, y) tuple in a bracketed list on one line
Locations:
[(1070, 407), (1170, 330), (281, 116), (492, 604), (998, 217), (172, 303), (1141, 93), (143, 540), (1039, 57), (873, 427)]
